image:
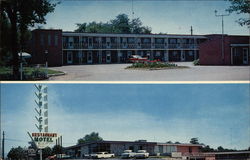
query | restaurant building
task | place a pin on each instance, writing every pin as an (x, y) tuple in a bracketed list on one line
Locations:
[(117, 147)]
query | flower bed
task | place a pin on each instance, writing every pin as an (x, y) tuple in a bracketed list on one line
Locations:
[(154, 65)]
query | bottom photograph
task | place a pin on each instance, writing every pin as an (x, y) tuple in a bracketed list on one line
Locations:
[(154, 121)]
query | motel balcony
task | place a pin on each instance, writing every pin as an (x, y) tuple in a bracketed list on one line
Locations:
[(145, 46), (159, 46), (128, 46)]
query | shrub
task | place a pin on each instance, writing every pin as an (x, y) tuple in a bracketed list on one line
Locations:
[(196, 62)]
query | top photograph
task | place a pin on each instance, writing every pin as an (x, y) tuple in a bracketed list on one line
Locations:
[(125, 40)]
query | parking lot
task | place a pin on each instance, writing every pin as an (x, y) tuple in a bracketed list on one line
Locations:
[(117, 72)]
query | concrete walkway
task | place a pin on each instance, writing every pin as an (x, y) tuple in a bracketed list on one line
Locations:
[(117, 72)]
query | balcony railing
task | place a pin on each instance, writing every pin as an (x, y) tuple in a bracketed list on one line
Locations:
[(127, 46), (159, 46)]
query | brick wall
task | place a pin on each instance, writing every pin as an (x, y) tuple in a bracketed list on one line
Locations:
[(211, 50), (50, 40)]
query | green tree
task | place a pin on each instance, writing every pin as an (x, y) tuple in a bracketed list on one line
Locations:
[(47, 152), (92, 137), (207, 149), (81, 27), (23, 14), (5, 41), (194, 141), (57, 149), (241, 7), (220, 149), (17, 153), (121, 24)]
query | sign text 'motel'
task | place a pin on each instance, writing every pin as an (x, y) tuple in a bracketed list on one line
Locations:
[(44, 139)]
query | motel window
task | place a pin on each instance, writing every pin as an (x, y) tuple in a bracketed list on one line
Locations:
[(185, 41), (146, 40), (178, 41), (175, 53), (172, 41), (96, 40), (64, 39), (70, 44), (113, 40), (124, 40), (56, 40), (190, 53), (108, 43), (159, 40), (190, 149), (131, 40), (49, 39), (158, 53), (42, 39)]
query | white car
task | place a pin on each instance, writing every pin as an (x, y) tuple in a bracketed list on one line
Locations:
[(102, 155), (142, 154), (128, 154)]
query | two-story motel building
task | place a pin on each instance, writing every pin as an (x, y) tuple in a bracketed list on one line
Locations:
[(93, 48), (66, 48)]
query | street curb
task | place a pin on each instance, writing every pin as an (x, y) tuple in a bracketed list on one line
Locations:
[(57, 74)]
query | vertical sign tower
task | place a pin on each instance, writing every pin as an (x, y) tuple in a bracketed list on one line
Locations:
[(42, 107)]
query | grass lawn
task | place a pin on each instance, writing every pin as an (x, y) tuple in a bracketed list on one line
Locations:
[(155, 66), (31, 73), (27, 70)]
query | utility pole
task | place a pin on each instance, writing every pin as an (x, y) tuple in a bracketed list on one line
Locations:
[(3, 146), (222, 35)]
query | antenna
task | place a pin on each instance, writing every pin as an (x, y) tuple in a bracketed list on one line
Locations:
[(133, 9), (42, 107), (191, 30)]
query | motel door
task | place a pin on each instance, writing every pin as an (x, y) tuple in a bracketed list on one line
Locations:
[(69, 57), (108, 57), (89, 57), (245, 56)]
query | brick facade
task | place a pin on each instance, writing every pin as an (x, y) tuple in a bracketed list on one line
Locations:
[(49, 40), (211, 50)]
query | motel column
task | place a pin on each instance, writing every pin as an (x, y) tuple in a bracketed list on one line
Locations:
[(119, 55), (166, 57), (195, 54), (182, 55), (100, 56)]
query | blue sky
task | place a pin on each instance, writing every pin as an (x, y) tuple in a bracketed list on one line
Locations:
[(218, 114), (166, 16)]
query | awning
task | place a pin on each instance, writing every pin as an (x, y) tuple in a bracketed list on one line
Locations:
[(24, 55)]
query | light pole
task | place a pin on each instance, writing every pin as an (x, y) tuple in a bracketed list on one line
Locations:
[(46, 62), (222, 35), (21, 66)]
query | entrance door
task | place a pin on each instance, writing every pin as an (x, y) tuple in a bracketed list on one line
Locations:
[(108, 57), (69, 57), (89, 57), (245, 55)]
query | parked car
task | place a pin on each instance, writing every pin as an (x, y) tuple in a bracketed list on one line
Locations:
[(142, 154), (102, 155), (137, 58), (128, 154)]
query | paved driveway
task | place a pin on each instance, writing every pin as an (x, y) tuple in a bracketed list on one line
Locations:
[(117, 72)]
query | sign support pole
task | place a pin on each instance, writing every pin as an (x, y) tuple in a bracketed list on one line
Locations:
[(41, 154)]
